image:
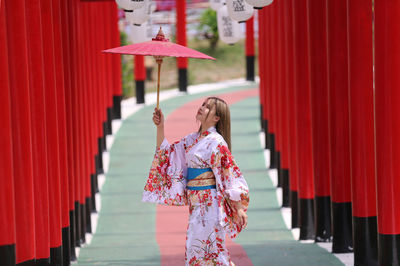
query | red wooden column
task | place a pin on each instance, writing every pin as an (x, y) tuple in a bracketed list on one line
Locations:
[(117, 68), (292, 148), (303, 117), (319, 113), (60, 77), (277, 87), (250, 55), (81, 114), (7, 208), (283, 105), (181, 39), (140, 76), (66, 40), (53, 161), (272, 91), (76, 123), (39, 130), (261, 47), (107, 33), (387, 128), (361, 101), (21, 130), (90, 126), (339, 126)]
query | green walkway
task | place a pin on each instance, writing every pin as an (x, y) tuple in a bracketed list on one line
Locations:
[(126, 227)]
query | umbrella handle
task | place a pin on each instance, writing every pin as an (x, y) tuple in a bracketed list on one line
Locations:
[(159, 62)]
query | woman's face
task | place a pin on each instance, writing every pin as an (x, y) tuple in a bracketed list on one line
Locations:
[(206, 113)]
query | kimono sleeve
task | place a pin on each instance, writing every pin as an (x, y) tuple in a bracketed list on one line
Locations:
[(166, 183), (233, 192)]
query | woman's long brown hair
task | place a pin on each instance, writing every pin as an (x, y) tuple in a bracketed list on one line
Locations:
[(223, 125)]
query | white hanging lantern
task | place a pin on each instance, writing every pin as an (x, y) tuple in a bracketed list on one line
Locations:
[(141, 15), (228, 29), (125, 4), (140, 33), (216, 4), (259, 4), (239, 10), (136, 4)]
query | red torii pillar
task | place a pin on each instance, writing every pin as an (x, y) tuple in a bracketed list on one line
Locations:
[(39, 130), (319, 114), (250, 56), (117, 68), (292, 107), (140, 76), (21, 130), (361, 101), (272, 88), (108, 43), (7, 207), (261, 44), (303, 115), (339, 126), (60, 77), (181, 39), (68, 83), (53, 161), (283, 102), (67, 55), (387, 128)]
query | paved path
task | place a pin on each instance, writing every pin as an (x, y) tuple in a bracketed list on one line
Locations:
[(127, 231)]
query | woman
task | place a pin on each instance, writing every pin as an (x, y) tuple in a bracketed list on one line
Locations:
[(200, 171)]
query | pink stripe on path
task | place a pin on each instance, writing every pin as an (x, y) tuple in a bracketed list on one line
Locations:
[(171, 223)]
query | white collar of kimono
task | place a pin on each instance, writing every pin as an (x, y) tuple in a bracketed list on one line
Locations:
[(212, 129)]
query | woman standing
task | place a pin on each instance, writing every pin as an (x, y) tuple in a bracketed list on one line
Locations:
[(200, 171)]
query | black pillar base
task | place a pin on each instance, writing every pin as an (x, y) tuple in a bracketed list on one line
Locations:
[(88, 211), (285, 188), (323, 232), (103, 138), (117, 99), (56, 256), (93, 185), (66, 245), (342, 227), (278, 159), (250, 68), (7, 255), (365, 241), (182, 73), (83, 223), (109, 121), (72, 234), (77, 211), (294, 205), (39, 262), (100, 169), (273, 155), (306, 218), (28, 263), (389, 249), (139, 91)]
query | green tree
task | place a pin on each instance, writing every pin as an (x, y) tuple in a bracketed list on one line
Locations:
[(208, 27)]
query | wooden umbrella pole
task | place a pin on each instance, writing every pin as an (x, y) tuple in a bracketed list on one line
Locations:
[(159, 61)]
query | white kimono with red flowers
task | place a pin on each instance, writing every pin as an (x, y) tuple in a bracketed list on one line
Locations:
[(211, 211)]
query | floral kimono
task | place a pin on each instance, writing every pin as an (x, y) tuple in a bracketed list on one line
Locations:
[(200, 171)]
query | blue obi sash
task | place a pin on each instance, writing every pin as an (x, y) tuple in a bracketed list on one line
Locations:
[(200, 179)]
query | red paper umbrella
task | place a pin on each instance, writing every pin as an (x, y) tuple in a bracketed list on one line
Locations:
[(159, 47)]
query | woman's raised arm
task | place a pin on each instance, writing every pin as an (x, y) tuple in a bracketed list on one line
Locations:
[(158, 119)]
